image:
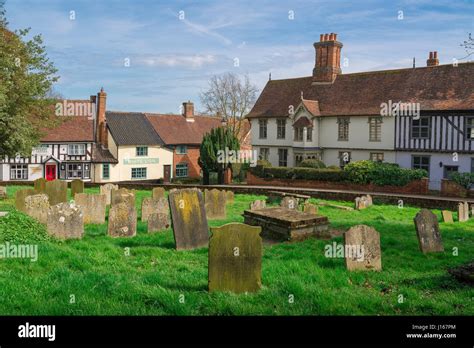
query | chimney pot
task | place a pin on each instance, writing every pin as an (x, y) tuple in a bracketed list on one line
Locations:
[(188, 111), (433, 59), (321, 38), (435, 54), (326, 37)]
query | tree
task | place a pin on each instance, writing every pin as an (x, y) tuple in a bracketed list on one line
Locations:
[(218, 142), (26, 78), (469, 46), (231, 97)]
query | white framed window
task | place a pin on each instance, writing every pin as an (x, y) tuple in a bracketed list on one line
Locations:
[(375, 128), (138, 173), (75, 170), (181, 149), (76, 149), (470, 128), (142, 151), (421, 162), (376, 156), (309, 134), (421, 128), (282, 157), (298, 134), (264, 153), (343, 128), (106, 171), (281, 128), (182, 170), (18, 172), (262, 129)]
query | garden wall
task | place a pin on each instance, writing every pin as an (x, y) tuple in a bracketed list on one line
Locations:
[(450, 188)]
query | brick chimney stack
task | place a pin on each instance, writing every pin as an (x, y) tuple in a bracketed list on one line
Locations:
[(188, 111), (433, 59), (328, 59), (101, 123)]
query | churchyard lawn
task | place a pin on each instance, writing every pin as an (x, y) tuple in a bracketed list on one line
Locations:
[(145, 275)]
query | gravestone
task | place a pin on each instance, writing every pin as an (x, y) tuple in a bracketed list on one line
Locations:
[(362, 249), (37, 206), (229, 197), (189, 220), (472, 210), (123, 196), (215, 201), (158, 222), (447, 216), (363, 202), (235, 258), (3, 192), (310, 208), (427, 230), (289, 202), (56, 191), (107, 191), (20, 196), (40, 185), (122, 221), (258, 204), (463, 211), (154, 206), (93, 207), (158, 192), (77, 186), (65, 221)]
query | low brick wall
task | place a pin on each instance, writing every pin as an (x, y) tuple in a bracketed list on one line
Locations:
[(419, 187), (450, 188)]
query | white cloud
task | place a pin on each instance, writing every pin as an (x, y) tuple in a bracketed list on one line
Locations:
[(195, 61)]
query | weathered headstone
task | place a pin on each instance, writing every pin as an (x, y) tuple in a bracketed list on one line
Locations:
[(188, 215), (40, 185), (362, 249), (93, 207), (56, 191), (65, 221), (153, 206), (463, 212), (258, 204), (77, 186), (107, 191), (363, 202), (427, 230), (158, 192), (215, 201), (158, 222), (472, 210), (235, 258), (310, 208), (122, 221), (230, 197), (3, 192), (37, 206), (447, 216), (20, 196), (289, 202), (123, 196)]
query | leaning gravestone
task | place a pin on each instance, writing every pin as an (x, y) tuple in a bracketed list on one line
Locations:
[(122, 221), (107, 191), (153, 206), (447, 216), (65, 221), (363, 202), (214, 202), (20, 196), (123, 196), (188, 215), (289, 203), (93, 207), (427, 230), (40, 185), (362, 249), (3, 192), (310, 208), (235, 258), (56, 191), (37, 206), (158, 222), (230, 197), (258, 204), (77, 186), (158, 192), (463, 211)]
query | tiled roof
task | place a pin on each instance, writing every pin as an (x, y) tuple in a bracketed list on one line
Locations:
[(176, 130), (443, 87), (76, 128), (303, 122), (101, 155), (131, 128), (312, 106)]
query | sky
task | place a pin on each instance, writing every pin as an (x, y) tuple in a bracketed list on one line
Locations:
[(153, 55)]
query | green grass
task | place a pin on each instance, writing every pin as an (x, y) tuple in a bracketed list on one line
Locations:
[(104, 281)]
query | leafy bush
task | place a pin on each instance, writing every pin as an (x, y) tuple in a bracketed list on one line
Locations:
[(312, 163), (19, 228), (360, 172), (258, 170), (320, 174), (466, 180), (279, 172)]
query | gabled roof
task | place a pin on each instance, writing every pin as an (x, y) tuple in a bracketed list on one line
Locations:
[(443, 87), (176, 130), (303, 121), (131, 128), (312, 106), (71, 129), (101, 155)]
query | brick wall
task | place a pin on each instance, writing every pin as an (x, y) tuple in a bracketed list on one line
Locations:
[(452, 189), (191, 158), (415, 187)]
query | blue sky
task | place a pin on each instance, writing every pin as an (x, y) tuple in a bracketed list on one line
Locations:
[(172, 58)]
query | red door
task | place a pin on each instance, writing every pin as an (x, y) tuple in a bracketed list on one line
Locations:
[(50, 172)]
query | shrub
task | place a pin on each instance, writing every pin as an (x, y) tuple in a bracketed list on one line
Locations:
[(333, 167), (258, 170), (312, 163), (279, 172), (360, 172), (320, 174), (466, 180)]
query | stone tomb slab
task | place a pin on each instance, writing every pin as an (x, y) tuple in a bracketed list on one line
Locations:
[(93, 207), (362, 249), (281, 224), (427, 230), (189, 220), (235, 258)]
